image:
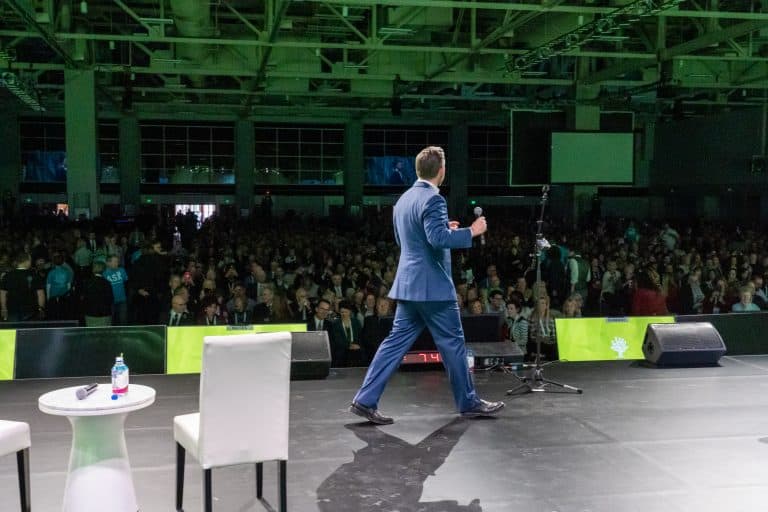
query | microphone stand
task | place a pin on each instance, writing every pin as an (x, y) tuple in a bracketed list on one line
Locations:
[(536, 382)]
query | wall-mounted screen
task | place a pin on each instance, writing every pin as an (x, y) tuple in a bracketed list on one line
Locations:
[(592, 157)]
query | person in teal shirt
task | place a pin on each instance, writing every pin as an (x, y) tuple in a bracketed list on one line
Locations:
[(117, 277)]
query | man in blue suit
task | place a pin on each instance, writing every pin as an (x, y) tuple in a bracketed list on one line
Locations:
[(425, 293)]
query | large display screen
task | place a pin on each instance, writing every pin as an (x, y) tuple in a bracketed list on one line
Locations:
[(604, 339), (592, 157)]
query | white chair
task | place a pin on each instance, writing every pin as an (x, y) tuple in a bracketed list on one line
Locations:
[(244, 404), (14, 438)]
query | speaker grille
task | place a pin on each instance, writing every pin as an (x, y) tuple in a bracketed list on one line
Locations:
[(689, 337)]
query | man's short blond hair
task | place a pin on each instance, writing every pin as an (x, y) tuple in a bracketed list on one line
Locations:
[(429, 161)]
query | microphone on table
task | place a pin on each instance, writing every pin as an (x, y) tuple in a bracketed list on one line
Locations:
[(479, 213), (86, 391)]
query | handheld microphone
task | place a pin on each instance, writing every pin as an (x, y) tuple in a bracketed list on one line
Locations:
[(478, 213), (86, 391)]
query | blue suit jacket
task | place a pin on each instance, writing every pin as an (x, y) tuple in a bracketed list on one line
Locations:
[(425, 240)]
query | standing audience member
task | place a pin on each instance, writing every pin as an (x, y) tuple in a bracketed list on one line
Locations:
[(117, 277), (648, 299), (22, 295), (58, 289), (97, 298)]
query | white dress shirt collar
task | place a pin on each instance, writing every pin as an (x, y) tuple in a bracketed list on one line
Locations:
[(428, 183)]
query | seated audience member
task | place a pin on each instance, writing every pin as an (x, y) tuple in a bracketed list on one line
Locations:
[(320, 320), (209, 312), (345, 338), (239, 291), (692, 295), (496, 302), (571, 308), (375, 329), (301, 308), (476, 307), (760, 298), (515, 328), (648, 299), (541, 330), (367, 308), (178, 315), (717, 300), (240, 315), (745, 303)]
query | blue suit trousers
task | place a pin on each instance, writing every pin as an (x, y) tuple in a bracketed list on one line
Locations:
[(443, 320)]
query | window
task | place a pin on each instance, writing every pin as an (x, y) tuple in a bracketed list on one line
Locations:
[(109, 152), (179, 153), (488, 156), (390, 152), (43, 147), (299, 155)]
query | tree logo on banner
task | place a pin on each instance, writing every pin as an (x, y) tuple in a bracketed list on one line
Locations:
[(619, 345)]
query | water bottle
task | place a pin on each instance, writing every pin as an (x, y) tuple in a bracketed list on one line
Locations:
[(119, 377), (470, 359)]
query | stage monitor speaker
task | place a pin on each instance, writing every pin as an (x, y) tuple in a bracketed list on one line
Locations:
[(685, 344), (310, 355)]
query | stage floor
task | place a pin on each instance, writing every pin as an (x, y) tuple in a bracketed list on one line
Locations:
[(638, 439)]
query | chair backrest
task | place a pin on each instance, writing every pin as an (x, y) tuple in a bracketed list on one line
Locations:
[(244, 398)]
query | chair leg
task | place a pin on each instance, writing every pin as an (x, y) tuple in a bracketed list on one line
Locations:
[(22, 462), (180, 460), (207, 491), (259, 479), (281, 482)]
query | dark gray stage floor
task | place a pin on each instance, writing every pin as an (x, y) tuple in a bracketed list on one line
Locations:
[(638, 439)]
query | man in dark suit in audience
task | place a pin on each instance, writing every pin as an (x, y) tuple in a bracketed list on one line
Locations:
[(375, 328), (178, 315), (320, 321)]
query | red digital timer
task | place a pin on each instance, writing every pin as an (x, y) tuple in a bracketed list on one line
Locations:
[(428, 357)]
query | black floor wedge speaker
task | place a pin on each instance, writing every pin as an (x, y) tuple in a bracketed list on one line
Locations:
[(310, 355), (685, 344)]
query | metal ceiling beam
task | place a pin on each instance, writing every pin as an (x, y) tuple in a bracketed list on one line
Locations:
[(687, 47), (253, 42), (41, 31), (133, 15), (261, 73)]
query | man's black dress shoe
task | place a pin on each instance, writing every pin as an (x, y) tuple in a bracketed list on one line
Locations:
[(483, 409), (371, 415)]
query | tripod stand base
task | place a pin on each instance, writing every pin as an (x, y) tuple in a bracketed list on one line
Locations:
[(536, 383)]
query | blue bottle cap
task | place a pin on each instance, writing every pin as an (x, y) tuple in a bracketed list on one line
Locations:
[(114, 397)]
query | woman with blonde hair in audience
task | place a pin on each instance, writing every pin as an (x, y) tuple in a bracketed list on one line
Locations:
[(541, 329)]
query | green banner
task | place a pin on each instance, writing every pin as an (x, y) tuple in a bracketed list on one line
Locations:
[(604, 339), (185, 344), (7, 353)]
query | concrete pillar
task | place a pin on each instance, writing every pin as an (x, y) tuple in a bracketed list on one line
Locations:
[(10, 156), (245, 161), (130, 163), (81, 142), (457, 156), (354, 167)]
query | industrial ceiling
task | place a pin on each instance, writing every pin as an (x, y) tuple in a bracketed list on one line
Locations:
[(324, 57)]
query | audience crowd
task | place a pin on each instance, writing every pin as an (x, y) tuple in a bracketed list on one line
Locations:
[(335, 276)]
